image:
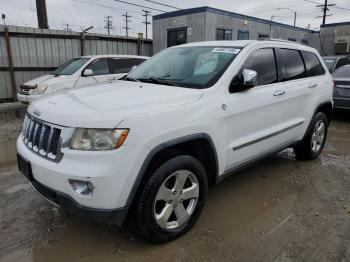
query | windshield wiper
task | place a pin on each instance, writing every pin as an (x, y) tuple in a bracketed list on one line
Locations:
[(128, 78), (154, 80)]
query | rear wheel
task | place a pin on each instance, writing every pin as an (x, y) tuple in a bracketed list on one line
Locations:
[(172, 199), (314, 141)]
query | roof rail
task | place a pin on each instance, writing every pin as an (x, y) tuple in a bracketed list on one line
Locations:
[(279, 40)]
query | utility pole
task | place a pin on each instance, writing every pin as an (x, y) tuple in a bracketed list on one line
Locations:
[(126, 24), (41, 14), (67, 27), (146, 14), (3, 17), (324, 9), (108, 25), (272, 17)]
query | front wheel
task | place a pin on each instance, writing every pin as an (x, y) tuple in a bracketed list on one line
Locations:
[(172, 199), (314, 141)]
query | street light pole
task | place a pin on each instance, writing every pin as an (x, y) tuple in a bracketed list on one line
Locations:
[(295, 13)]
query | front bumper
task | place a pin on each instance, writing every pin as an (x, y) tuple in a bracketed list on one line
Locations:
[(112, 173), (69, 205)]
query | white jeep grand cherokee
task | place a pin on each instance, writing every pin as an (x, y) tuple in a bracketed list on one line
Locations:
[(148, 146)]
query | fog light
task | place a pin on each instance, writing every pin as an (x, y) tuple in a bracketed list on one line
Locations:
[(85, 188)]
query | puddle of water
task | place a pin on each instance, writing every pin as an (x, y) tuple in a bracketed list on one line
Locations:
[(240, 208)]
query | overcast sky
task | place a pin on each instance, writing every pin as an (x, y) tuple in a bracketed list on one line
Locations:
[(84, 13)]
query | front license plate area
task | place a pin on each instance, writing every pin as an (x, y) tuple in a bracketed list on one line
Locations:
[(25, 167)]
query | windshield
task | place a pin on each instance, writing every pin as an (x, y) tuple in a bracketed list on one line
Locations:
[(71, 66), (193, 67), (342, 72), (329, 62)]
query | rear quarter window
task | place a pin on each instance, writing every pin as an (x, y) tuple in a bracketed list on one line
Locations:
[(313, 65)]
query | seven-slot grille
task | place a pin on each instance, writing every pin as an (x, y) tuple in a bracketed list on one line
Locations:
[(41, 138)]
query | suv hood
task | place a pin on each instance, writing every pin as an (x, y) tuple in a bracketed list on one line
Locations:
[(49, 79), (105, 106)]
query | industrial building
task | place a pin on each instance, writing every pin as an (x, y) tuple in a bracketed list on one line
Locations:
[(335, 38), (207, 23)]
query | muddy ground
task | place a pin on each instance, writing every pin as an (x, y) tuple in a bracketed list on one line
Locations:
[(278, 210)]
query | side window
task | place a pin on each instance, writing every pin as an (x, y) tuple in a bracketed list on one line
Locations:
[(313, 65), (122, 65), (292, 63), (99, 67), (343, 61), (264, 63)]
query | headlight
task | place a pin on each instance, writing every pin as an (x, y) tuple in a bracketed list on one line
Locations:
[(98, 139), (40, 89)]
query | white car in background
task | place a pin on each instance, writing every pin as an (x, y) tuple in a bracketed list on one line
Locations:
[(79, 72)]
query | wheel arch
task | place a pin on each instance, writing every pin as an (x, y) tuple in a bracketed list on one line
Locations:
[(182, 145), (327, 109)]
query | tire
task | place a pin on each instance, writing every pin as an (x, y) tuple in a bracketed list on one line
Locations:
[(314, 140), (158, 199)]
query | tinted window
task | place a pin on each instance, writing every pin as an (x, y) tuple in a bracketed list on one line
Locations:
[(223, 34), (118, 66), (343, 61), (313, 65), (292, 63), (264, 63), (99, 67), (342, 72)]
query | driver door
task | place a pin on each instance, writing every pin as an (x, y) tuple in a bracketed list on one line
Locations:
[(256, 117), (100, 73)]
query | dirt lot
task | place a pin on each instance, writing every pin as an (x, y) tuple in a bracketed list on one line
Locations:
[(278, 210)]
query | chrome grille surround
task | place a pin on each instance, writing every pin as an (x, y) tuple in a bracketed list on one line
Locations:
[(42, 138)]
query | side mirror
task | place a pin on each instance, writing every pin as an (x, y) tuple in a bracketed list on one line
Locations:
[(244, 80), (133, 68), (250, 78), (87, 72)]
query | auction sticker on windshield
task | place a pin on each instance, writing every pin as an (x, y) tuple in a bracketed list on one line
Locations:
[(226, 50)]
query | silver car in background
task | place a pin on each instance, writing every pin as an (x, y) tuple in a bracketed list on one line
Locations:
[(341, 95)]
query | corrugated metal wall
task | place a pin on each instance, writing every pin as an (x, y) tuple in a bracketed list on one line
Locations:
[(36, 52)]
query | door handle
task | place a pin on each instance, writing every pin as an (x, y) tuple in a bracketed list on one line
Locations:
[(312, 85), (279, 93), (111, 78)]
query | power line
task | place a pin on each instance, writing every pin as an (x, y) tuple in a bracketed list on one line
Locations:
[(124, 2), (126, 24), (154, 2), (94, 3), (146, 14)]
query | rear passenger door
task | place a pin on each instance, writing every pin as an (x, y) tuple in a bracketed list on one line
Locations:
[(301, 76)]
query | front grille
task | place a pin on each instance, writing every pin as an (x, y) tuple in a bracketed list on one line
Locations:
[(24, 89), (42, 138)]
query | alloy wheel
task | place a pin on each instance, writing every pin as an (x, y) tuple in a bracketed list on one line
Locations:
[(176, 199)]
